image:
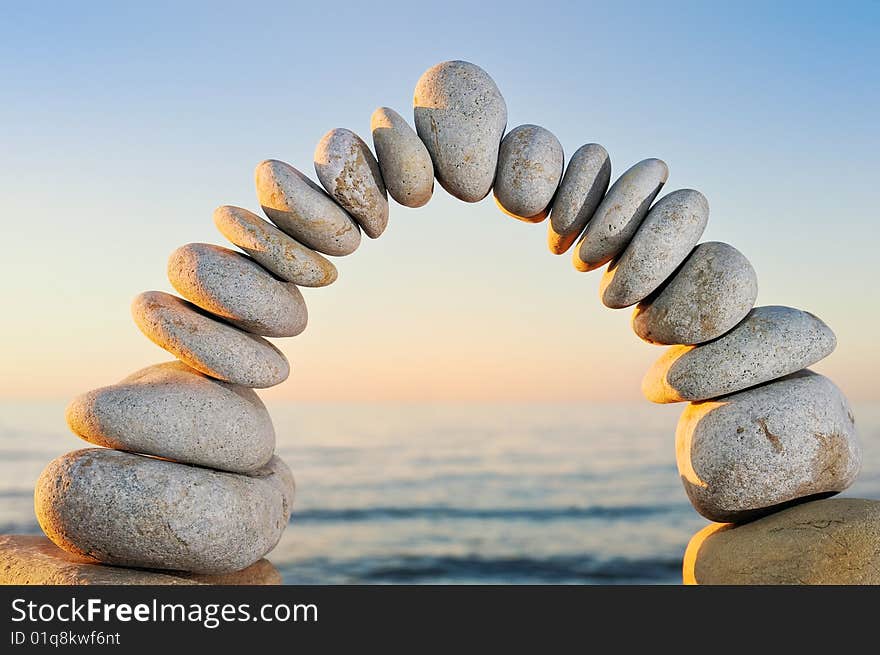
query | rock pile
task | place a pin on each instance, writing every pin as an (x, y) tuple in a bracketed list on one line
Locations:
[(187, 481)]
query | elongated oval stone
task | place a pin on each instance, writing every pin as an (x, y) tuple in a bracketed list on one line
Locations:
[(273, 249), (350, 174), (170, 410), (131, 510), (833, 541), (301, 208), (749, 453), (460, 116), (237, 289), (770, 342), (713, 291), (403, 158), (619, 214), (530, 163), (582, 189), (207, 345), (663, 240)]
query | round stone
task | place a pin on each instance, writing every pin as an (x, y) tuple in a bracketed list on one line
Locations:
[(770, 342), (208, 345), (530, 162), (460, 116), (237, 289), (712, 291), (663, 240), (172, 411), (749, 453), (403, 159), (582, 189), (619, 214), (131, 510), (301, 208), (835, 541), (273, 249), (350, 174)]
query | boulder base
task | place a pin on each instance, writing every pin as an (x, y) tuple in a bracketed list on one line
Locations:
[(834, 541), (34, 560)]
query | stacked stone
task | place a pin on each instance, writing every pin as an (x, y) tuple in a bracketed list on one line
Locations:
[(761, 432), (187, 479)]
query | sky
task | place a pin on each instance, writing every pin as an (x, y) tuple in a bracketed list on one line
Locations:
[(122, 127)]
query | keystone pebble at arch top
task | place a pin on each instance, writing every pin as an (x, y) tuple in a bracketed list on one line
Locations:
[(760, 433)]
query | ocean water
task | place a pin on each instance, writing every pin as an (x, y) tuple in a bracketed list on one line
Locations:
[(455, 493)]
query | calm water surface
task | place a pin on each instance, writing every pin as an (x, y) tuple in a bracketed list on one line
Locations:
[(454, 493)]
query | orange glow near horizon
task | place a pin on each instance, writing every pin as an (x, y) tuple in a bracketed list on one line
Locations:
[(455, 301)]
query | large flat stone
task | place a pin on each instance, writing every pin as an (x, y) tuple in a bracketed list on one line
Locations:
[(34, 560), (131, 510), (834, 541)]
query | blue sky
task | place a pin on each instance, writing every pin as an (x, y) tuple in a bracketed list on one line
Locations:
[(125, 126)]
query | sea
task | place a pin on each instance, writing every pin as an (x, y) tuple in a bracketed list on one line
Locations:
[(573, 493)]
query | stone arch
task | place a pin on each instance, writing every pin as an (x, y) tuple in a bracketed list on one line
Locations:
[(187, 479)]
